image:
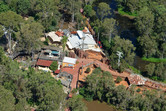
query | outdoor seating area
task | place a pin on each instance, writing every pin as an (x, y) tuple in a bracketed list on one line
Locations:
[(51, 53), (65, 79)]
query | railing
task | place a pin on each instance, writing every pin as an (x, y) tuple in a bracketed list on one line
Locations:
[(88, 64)]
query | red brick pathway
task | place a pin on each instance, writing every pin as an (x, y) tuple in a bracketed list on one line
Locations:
[(105, 67), (75, 71)]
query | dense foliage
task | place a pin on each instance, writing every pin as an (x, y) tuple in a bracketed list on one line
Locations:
[(156, 71), (100, 85), (54, 66), (23, 89), (76, 104), (150, 23)]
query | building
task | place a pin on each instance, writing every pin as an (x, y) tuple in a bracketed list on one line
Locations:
[(69, 62), (78, 38), (55, 37), (43, 65), (135, 79), (51, 53), (83, 40), (66, 80)]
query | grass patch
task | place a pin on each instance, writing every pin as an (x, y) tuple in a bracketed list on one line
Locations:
[(134, 69), (151, 59), (164, 81), (122, 12)]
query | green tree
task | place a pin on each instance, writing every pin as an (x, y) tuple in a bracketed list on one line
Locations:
[(23, 6), (29, 37), (3, 7), (148, 46), (132, 5), (98, 83), (118, 79), (88, 11), (76, 104), (46, 12), (46, 92), (109, 27), (145, 21), (103, 10), (11, 21), (1, 31), (163, 52), (64, 41), (7, 102), (124, 46), (88, 70), (150, 68), (159, 70), (54, 66)]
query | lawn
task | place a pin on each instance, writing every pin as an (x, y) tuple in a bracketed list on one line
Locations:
[(129, 14), (151, 59)]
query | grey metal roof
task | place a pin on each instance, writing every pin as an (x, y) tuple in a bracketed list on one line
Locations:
[(76, 40)]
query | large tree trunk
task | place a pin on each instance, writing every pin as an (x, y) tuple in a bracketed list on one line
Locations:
[(10, 45), (73, 17)]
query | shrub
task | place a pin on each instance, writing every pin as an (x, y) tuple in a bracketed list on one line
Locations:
[(77, 62), (74, 91), (138, 90), (54, 66), (118, 79), (46, 42), (88, 70)]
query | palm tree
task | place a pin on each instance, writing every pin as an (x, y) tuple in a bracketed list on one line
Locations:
[(64, 41)]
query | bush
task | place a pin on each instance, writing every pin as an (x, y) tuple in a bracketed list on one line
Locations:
[(74, 91), (54, 66), (46, 42), (138, 90), (77, 62), (118, 79), (88, 70)]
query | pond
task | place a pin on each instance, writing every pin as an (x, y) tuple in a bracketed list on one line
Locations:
[(127, 30), (98, 106)]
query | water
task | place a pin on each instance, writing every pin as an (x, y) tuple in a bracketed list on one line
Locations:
[(97, 106), (140, 64), (127, 30)]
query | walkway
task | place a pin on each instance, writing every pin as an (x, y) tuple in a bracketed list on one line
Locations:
[(105, 67)]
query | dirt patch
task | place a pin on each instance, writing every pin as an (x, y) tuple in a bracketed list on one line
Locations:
[(124, 83), (84, 74)]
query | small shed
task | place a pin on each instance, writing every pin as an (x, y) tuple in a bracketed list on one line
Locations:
[(135, 79), (69, 62)]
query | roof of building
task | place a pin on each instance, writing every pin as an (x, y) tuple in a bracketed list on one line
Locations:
[(51, 48), (65, 78), (81, 34), (59, 33), (54, 36), (57, 71), (45, 63), (76, 41), (136, 79), (69, 60), (74, 32)]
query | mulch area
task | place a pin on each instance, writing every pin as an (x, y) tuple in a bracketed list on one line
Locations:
[(105, 67)]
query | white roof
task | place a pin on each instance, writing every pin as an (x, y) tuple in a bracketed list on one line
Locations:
[(80, 33), (69, 60), (69, 45), (54, 37), (76, 40)]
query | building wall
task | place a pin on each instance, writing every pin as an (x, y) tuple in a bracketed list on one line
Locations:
[(44, 68), (64, 64), (94, 55)]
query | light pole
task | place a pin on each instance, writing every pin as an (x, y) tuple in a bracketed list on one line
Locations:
[(119, 54), (83, 38)]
